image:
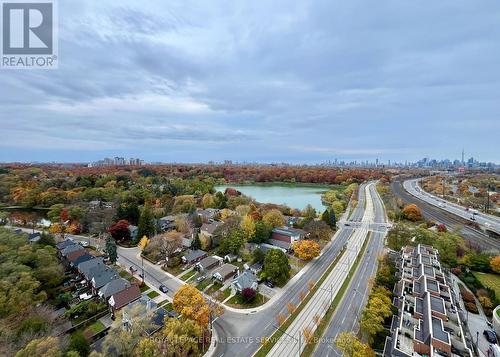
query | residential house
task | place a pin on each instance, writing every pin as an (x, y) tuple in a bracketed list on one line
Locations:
[(90, 267), (34, 237), (71, 257), (145, 309), (194, 256), (166, 223), (266, 247), (61, 245), (225, 272), (82, 258), (245, 280), (123, 298), (208, 263), (255, 268), (71, 249), (280, 244), (113, 287), (207, 215), (207, 231), (288, 235), (102, 277), (229, 258)]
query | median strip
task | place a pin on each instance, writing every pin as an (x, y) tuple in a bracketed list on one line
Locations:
[(320, 330)]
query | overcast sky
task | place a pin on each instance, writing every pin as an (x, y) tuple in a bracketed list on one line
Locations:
[(296, 81)]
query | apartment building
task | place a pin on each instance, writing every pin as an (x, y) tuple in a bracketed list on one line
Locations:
[(428, 321)]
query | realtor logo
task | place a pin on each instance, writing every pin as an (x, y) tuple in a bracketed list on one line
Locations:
[(29, 36)]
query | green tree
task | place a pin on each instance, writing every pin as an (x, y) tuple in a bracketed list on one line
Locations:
[(309, 213), (79, 343), (111, 250), (262, 232), (220, 200), (274, 218), (128, 211), (276, 266), (196, 244), (147, 225), (233, 242), (258, 256)]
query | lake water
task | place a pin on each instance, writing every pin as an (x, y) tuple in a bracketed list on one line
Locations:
[(292, 196)]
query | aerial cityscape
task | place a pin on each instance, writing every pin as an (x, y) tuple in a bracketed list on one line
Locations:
[(249, 179)]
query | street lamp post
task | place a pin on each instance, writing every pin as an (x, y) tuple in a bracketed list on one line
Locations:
[(143, 275)]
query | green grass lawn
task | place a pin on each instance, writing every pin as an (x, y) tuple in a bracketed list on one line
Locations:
[(144, 287), (201, 286), (153, 294), (491, 281), (126, 275), (186, 276), (173, 270), (216, 286), (94, 328), (166, 305), (238, 302)]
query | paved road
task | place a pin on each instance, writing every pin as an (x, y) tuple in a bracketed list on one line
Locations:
[(289, 344), (239, 335), (484, 220), (348, 313), (451, 221)]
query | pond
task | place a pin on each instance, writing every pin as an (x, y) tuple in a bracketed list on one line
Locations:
[(295, 196)]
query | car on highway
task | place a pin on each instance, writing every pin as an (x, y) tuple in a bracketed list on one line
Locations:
[(163, 289), (490, 335), (200, 278)]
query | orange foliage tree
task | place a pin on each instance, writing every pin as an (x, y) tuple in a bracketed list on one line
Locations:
[(306, 249)]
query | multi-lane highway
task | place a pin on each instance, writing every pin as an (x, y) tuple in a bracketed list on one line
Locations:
[(451, 221), (317, 306), (484, 220), (347, 315)]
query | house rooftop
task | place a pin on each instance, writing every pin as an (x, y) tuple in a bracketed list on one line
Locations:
[(125, 297), (114, 286), (210, 227), (194, 254), (289, 231)]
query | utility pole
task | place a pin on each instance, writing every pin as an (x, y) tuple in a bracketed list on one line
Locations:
[(443, 186)]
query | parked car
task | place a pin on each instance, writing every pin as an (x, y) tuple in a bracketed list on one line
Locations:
[(491, 336), (84, 244), (269, 284), (163, 289), (85, 296), (200, 278)]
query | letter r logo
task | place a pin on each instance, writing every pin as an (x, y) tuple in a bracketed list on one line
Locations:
[(27, 28)]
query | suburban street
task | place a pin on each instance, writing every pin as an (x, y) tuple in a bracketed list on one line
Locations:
[(451, 221), (348, 313), (484, 220)]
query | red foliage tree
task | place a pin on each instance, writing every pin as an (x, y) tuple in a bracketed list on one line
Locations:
[(119, 230), (248, 294)]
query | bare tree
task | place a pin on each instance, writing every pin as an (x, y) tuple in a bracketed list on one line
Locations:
[(167, 243)]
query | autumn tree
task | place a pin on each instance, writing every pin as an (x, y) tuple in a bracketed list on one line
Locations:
[(42, 347), (248, 294), (189, 302), (143, 242), (376, 311), (350, 346), (248, 227), (309, 213), (119, 231), (273, 218), (276, 266), (208, 201), (168, 243), (412, 213), (306, 249), (180, 338), (495, 264)]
